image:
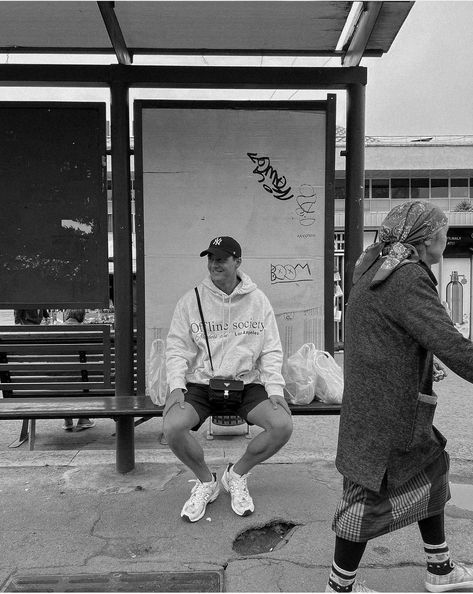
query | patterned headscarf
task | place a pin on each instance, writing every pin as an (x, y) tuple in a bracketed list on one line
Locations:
[(409, 223)]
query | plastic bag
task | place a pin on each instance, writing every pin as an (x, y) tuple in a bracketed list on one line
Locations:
[(156, 382), (300, 375), (311, 373), (329, 382)]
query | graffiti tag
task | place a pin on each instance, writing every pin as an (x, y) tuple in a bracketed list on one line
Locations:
[(289, 273), (270, 179)]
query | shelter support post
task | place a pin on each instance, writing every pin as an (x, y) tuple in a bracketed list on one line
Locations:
[(355, 180), (123, 272)]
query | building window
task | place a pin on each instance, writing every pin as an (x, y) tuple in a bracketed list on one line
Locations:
[(459, 188), (380, 188), (367, 188), (400, 188), (420, 187), (439, 187)]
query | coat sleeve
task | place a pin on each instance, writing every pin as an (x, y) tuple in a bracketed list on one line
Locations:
[(180, 348), (271, 356), (425, 319)]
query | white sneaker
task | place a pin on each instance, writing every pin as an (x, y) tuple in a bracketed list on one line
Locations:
[(242, 503), (357, 587), (460, 578), (201, 494)]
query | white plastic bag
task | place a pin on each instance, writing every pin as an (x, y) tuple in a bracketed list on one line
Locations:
[(329, 382), (311, 373), (300, 375), (156, 383)]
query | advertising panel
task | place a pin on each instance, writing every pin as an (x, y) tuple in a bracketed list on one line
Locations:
[(256, 174)]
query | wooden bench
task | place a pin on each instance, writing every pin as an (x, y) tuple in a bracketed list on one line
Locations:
[(53, 372), (61, 371)]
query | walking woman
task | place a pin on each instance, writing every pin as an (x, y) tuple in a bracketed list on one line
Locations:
[(392, 458)]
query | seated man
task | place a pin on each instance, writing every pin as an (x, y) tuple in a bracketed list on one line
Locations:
[(244, 345)]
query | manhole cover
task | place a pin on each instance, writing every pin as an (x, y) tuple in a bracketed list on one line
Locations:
[(165, 581), (264, 539)]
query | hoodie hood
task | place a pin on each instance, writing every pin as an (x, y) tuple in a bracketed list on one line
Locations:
[(245, 286), (242, 333)]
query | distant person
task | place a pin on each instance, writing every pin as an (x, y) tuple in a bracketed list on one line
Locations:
[(392, 458), (24, 317), (243, 344), (76, 316)]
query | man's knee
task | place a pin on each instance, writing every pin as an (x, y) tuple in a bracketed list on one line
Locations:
[(279, 425), (177, 421)]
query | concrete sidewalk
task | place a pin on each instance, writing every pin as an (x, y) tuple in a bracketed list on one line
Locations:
[(66, 511)]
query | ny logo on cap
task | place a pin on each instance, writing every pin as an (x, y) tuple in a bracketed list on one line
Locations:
[(217, 241)]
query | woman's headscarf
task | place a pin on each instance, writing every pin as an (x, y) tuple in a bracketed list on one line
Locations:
[(409, 223)]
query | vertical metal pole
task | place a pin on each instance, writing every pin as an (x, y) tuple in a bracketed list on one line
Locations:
[(355, 180), (122, 267)]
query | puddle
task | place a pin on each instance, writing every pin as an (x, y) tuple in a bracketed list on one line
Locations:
[(462, 496), (264, 539)]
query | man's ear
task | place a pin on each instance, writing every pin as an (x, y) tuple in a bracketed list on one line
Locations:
[(238, 262)]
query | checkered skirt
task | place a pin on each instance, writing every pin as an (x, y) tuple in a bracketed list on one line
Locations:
[(363, 514)]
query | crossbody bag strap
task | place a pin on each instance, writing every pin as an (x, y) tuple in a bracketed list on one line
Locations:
[(203, 324)]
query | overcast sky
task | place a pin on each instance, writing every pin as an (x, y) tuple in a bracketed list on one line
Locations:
[(422, 86)]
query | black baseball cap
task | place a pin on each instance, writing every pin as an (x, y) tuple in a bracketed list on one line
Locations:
[(222, 247)]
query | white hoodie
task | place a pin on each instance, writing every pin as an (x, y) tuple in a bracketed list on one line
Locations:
[(242, 332)]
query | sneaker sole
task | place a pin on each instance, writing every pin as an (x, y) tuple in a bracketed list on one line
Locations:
[(247, 512), (211, 500), (448, 587)]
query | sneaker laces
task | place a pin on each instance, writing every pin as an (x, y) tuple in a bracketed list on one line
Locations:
[(467, 570), (239, 487), (199, 492)]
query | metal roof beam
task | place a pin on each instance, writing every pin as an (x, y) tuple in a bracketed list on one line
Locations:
[(361, 34), (217, 77), (114, 32)]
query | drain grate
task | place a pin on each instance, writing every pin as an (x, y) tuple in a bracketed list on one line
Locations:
[(264, 539), (164, 581)]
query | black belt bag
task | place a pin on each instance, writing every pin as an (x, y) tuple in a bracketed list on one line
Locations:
[(225, 391), (221, 391)]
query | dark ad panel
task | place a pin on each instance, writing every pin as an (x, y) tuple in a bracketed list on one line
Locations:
[(53, 245)]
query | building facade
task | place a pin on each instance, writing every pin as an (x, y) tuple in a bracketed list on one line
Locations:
[(437, 169)]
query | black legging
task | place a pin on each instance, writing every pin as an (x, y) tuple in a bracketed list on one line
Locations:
[(348, 554)]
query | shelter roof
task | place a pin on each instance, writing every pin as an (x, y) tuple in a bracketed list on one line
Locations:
[(349, 30)]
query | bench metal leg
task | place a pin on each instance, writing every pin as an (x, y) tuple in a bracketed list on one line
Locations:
[(125, 459), (32, 434), (23, 435)]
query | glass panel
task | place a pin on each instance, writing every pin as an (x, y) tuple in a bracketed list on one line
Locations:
[(439, 188), (367, 188), (339, 189), (380, 205), (380, 188), (367, 205), (459, 188), (454, 203), (400, 188), (420, 187), (443, 204), (339, 205)]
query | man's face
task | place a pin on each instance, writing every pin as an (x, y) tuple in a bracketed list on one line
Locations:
[(223, 270)]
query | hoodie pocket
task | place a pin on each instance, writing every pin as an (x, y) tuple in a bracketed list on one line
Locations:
[(421, 431)]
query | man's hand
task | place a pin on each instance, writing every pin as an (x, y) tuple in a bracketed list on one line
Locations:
[(280, 401), (175, 397)]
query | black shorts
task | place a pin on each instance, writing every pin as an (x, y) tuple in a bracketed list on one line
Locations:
[(197, 396)]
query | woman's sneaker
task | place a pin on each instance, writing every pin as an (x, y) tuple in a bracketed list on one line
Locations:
[(201, 494), (242, 503), (460, 578)]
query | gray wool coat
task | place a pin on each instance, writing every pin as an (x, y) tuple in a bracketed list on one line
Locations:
[(391, 334)]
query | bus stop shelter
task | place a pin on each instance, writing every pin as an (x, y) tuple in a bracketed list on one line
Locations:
[(237, 46)]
